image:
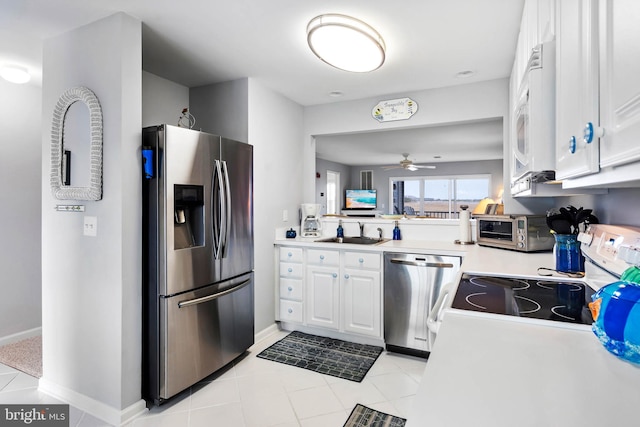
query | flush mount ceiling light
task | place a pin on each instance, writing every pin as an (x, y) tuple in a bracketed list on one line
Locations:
[(15, 74), (346, 43)]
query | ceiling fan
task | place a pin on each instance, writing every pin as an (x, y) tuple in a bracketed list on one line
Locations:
[(408, 164)]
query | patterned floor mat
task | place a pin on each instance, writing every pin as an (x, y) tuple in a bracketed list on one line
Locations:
[(328, 356)]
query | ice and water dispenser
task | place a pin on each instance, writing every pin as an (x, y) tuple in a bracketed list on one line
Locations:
[(188, 216)]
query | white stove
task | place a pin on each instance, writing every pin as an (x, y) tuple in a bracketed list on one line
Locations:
[(552, 301)]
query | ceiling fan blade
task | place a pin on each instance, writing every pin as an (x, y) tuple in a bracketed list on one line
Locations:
[(424, 166), (412, 168), (391, 167)]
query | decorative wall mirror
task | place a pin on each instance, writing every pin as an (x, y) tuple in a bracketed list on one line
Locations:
[(59, 159)]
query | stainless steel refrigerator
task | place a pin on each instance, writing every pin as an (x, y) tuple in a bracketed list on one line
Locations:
[(198, 290)]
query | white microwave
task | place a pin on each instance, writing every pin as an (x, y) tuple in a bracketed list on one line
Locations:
[(533, 147)]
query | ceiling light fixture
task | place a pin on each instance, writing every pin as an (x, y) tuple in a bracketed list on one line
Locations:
[(346, 43), (15, 74)]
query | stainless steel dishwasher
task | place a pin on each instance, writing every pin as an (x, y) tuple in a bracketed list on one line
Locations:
[(412, 283)]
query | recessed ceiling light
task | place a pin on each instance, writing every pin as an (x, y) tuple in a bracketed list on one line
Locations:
[(346, 43), (465, 74), (335, 94), (437, 157), (15, 74)]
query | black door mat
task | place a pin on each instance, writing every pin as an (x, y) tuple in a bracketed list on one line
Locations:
[(361, 416), (328, 356)]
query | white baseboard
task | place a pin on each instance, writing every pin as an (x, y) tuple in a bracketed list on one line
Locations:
[(113, 416), (266, 332), (19, 336)]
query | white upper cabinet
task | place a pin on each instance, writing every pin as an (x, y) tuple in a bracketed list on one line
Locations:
[(576, 87), (598, 92), (619, 82)]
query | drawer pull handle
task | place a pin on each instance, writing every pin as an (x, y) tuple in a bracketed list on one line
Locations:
[(360, 260), (290, 269), (289, 288), (289, 254), (290, 310)]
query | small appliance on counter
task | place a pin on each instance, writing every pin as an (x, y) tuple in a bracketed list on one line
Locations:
[(310, 225), (524, 233)]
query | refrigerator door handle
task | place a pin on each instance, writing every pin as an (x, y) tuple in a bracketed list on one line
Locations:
[(211, 297), (226, 226), (217, 209)]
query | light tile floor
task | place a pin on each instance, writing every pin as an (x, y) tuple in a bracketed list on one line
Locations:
[(255, 392)]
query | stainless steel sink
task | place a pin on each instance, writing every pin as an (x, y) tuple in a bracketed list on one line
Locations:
[(353, 240)]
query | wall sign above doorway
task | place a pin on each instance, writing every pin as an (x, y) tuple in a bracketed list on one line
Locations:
[(394, 109)]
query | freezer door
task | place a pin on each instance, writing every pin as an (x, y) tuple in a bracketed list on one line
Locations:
[(202, 331)]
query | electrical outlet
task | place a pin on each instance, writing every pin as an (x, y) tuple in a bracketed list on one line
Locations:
[(90, 227)]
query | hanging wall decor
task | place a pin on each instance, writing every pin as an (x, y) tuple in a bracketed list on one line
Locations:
[(58, 187)]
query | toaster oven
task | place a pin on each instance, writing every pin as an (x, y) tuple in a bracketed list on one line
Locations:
[(524, 233)]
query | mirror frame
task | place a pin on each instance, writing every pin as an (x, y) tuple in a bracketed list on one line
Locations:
[(64, 192)]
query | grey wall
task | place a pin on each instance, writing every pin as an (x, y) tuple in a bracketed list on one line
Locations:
[(162, 100), (91, 286), (228, 118), (20, 174), (346, 181), (621, 206)]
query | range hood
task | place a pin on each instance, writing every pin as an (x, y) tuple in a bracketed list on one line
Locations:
[(544, 184)]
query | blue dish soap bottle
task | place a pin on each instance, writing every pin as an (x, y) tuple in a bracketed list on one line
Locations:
[(396, 232), (340, 230)]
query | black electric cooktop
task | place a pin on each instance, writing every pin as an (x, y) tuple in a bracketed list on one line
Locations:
[(546, 299)]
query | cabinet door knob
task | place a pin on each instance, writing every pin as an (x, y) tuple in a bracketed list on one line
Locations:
[(590, 132), (290, 310), (289, 254), (346, 276), (335, 275), (360, 260), (290, 269), (573, 145), (321, 256), (290, 288)]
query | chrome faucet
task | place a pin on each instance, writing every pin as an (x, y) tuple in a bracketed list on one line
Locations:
[(361, 229), (379, 233)]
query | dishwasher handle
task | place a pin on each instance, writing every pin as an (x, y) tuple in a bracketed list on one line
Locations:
[(421, 263), (211, 297), (433, 320)]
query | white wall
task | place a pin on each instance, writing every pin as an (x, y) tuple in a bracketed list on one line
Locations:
[(162, 100), (91, 287), (20, 174), (275, 131)]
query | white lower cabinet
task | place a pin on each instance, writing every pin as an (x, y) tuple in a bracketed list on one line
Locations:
[(332, 289), (362, 301), (323, 296)]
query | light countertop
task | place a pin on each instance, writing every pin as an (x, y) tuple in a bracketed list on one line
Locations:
[(494, 372)]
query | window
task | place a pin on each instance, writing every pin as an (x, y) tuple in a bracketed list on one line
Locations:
[(438, 197)]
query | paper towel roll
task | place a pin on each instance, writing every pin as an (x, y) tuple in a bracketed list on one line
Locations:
[(465, 226)]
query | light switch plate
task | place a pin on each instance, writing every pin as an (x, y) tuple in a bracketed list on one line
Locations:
[(90, 227)]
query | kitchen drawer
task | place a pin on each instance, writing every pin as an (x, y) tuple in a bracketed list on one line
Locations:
[(368, 260), (291, 269), (291, 289), (290, 311), (323, 257), (291, 254)]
